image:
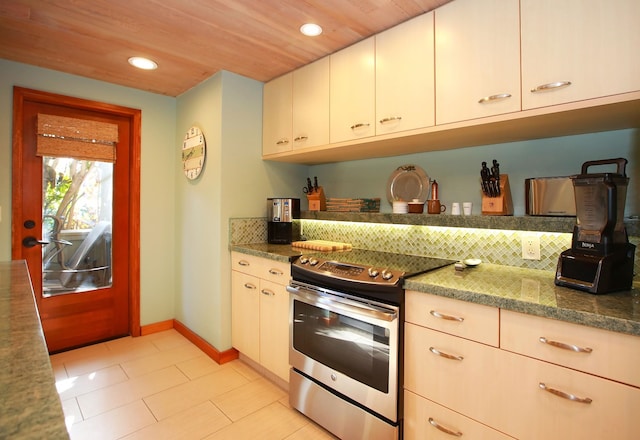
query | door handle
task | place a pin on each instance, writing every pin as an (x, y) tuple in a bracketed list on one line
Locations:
[(33, 241)]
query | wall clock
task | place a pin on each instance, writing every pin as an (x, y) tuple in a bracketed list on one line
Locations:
[(194, 152)]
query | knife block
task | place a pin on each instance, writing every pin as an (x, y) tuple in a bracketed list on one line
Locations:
[(501, 205), (317, 200)]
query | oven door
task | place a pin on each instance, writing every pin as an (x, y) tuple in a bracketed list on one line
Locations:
[(347, 344)]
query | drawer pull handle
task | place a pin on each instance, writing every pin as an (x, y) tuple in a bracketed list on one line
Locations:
[(267, 292), (275, 272), (439, 315), (445, 355), (360, 125), (564, 346), (300, 138), (243, 263), (282, 141), (565, 395), (390, 119), (494, 98), (551, 86), (443, 429), (250, 286)]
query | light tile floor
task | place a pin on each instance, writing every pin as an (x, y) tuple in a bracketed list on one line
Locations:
[(161, 386)]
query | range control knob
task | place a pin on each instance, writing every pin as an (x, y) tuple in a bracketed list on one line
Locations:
[(304, 260), (373, 272), (387, 275), (313, 261)]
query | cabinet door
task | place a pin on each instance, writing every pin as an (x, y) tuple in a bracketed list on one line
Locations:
[(311, 104), (274, 328), (593, 45), (405, 76), (477, 59), (277, 115), (245, 314), (352, 97)]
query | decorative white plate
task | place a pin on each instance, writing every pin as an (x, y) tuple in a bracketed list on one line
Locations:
[(408, 182), (472, 262)]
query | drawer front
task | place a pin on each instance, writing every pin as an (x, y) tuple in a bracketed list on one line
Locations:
[(608, 354), (454, 372), (460, 318), (246, 263), (611, 410), (424, 419), (275, 271)]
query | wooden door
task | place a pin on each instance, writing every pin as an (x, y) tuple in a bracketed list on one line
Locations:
[(73, 315)]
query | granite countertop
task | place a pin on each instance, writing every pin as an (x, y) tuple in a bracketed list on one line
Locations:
[(522, 290), (30, 407)]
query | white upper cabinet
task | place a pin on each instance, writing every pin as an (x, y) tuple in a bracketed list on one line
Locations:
[(477, 59), (594, 45), (311, 104), (352, 96), (277, 115), (405, 76)]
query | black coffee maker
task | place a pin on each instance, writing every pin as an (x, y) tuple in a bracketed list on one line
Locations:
[(601, 258), (281, 228)]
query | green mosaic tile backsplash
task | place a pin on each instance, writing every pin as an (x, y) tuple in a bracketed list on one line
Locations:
[(492, 246)]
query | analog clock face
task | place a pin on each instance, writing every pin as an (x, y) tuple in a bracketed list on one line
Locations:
[(194, 151)]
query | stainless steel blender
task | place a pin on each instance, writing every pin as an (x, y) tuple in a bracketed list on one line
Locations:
[(601, 258)]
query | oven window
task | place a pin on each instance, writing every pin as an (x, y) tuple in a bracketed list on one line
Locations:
[(353, 347)]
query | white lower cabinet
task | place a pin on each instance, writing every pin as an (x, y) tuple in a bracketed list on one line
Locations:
[(260, 311), (524, 388)]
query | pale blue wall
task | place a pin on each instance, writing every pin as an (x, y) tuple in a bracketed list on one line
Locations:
[(458, 171), (158, 169)]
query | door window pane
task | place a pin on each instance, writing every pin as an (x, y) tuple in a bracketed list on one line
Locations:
[(77, 216)]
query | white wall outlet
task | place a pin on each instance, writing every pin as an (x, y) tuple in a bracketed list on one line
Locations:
[(530, 247)]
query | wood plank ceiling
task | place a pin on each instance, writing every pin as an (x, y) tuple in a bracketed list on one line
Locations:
[(190, 40)]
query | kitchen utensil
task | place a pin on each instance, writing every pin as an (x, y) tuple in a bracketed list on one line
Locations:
[(435, 207), (434, 190), (455, 208), (406, 183), (322, 245), (467, 208), (416, 206)]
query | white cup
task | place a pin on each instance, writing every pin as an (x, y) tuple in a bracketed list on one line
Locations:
[(400, 207), (455, 208), (467, 207)]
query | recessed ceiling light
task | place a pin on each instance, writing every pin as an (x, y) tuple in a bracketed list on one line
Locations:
[(311, 29), (143, 63)]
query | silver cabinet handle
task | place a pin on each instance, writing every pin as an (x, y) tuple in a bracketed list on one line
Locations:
[(494, 98), (445, 355), (439, 315), (282, 141), (244, 263), (565, 395), (361, 125), (250, 286), (564, 346), (276, 272), (551, 86), (443, 429), (267, 292), (391, 119), (300, 138)]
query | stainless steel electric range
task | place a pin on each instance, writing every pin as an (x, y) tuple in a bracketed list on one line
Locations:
[(346, 333)]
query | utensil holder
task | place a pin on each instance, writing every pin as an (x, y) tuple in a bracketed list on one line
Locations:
[(317, 200), (502, 204)]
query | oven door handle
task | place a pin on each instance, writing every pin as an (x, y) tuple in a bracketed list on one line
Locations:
[(368, 310)]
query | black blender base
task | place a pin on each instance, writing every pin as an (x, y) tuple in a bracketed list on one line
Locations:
[(596, 274)]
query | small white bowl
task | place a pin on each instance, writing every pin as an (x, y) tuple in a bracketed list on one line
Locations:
[(472, 262)]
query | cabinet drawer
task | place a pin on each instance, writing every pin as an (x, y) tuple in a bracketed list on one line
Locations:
[(604, 353), (536, 413), (245, 263), (454, 372), (275, 271), (467, 320), (425, 419)]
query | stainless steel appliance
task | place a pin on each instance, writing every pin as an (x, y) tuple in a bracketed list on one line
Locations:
[(601, 258), (552, 196), (346, 344), (281, 229)]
